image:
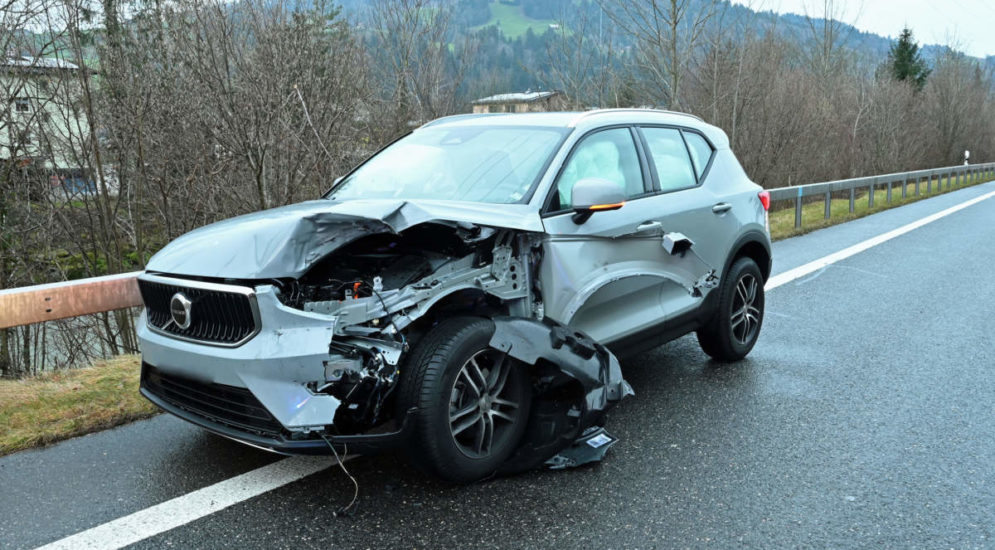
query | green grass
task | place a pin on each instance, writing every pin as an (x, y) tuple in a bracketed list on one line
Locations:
[(782, 221), (513, 22), (59, 405)]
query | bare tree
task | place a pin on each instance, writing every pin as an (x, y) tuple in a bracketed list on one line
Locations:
[(420, 63), (582, 58), (666, 33)]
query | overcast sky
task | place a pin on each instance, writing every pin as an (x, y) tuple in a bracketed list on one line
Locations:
[(969, 25)]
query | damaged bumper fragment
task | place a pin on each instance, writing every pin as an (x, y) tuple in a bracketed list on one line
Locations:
[(562, 357)]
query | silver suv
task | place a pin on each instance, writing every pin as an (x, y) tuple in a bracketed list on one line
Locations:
[(462, 294)]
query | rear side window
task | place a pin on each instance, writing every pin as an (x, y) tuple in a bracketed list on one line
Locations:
[(608, 154), (669, 157), (701, 152)]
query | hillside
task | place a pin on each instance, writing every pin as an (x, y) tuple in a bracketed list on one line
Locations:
[(512, 21)]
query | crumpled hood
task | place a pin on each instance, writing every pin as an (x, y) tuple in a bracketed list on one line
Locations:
[(287, 241)]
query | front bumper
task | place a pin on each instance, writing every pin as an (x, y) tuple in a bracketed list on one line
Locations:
[(256, 393), (278, 441)]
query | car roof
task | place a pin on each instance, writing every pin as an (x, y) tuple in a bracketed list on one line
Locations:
[(585, 120)]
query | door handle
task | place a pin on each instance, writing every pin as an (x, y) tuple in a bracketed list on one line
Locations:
[(721, 207), (649, 226)]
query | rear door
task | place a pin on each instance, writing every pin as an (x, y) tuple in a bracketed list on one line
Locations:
[(679, 161)]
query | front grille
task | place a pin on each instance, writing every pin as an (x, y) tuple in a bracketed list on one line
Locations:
[(229, 405), (217, 316)]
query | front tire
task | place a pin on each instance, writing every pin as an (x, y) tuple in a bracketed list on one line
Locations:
[(733, 330), (472, 400)]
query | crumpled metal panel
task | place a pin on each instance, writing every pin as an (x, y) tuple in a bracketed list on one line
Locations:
[(555, 425), (282, 242), (287, 241)]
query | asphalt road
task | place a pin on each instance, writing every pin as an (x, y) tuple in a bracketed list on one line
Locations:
[(863, 418)]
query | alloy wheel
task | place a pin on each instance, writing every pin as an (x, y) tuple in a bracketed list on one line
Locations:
[(482, 410), (745, 317)]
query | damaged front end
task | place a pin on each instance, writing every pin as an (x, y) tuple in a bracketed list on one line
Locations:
[(293, 360)]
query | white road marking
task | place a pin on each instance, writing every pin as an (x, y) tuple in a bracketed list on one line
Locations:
[(813, 266), (192, 506), (203, 502)]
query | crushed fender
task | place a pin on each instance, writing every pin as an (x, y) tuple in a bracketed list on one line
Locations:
[(578, 381)]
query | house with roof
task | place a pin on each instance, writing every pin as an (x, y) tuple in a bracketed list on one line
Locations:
[(521, 102), (44, 129)]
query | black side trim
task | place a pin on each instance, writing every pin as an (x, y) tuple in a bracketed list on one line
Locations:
[(666, 331)]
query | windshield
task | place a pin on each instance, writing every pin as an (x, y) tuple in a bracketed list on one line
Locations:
[(495, 164)]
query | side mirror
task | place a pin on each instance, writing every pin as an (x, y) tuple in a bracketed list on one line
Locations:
[(337, 180), (592, 195)]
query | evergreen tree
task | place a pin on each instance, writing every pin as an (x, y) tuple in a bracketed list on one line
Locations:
[(905, 61)]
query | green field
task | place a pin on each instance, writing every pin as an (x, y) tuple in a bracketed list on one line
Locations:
[(512, 22)]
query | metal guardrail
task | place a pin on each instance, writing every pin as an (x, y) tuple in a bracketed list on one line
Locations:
[(952, 175), (49, 302)]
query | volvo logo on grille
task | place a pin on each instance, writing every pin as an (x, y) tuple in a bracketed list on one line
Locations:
[(179, 308)]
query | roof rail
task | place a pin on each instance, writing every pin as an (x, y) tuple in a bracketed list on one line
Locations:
[(454, 118), (593, 112)]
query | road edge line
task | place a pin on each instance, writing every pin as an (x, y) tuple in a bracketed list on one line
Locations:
[(815, 265), (205, 501), (192, 506)]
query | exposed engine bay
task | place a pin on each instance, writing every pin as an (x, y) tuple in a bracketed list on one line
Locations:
[(387, 290)]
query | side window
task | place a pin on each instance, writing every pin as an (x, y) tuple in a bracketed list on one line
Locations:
[(608, 154), (701, 151), (670, 157)]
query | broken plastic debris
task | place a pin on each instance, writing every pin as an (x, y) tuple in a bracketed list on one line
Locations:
[(591, 446)]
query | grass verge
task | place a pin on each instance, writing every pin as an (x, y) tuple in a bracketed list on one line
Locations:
[(58, 405), (782, 221)]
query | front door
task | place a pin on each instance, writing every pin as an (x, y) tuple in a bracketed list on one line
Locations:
[(606, 275)]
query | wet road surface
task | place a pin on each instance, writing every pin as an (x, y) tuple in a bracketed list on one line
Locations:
[(863, 418)]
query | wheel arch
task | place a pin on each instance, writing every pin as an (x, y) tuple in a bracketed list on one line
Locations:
[(754, 245)]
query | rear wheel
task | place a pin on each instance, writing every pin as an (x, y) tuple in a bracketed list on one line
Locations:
[(733, 331), (472, 400)]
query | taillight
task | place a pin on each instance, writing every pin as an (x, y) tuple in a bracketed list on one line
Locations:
[(764, 199)]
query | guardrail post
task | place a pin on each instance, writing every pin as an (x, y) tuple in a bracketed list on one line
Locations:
[(918, 178), (888, 196), (905, 186), (798, 209), (852, 196), (829, 204), (870, 196), (929, 184)]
